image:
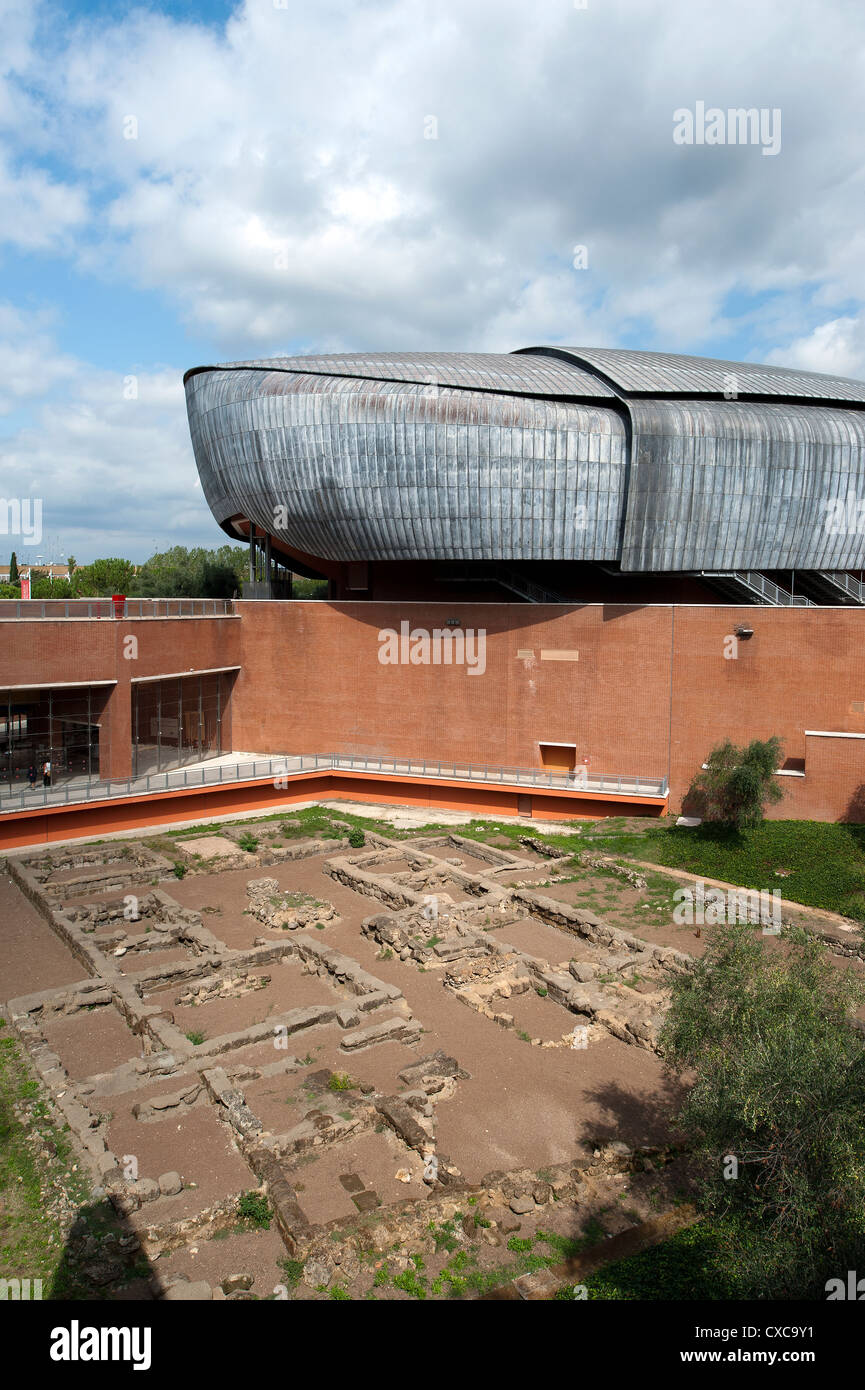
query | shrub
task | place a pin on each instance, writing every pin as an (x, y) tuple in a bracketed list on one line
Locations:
[(292, 1271), (340, 1081), (356, 838), (179, 869), (253, 1209), (736, 784), (780, 1089), (247, 842)]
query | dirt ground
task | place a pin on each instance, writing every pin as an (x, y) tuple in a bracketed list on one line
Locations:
[(514, 1106)]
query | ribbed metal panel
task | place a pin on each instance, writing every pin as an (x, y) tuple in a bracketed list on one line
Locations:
[(667, 373), (417, 456), (394, 470), (479, 371), (734, 485)]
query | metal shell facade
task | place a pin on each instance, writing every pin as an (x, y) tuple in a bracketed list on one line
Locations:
[(544, 454)]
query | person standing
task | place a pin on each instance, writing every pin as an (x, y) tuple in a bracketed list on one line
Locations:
[(46, 773), (31, 776)]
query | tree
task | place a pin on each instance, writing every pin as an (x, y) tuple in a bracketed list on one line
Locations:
[(780, 1089), (737, 784), (103, 577), (43, 587), (197, 573), (13, 569), (71, 563)]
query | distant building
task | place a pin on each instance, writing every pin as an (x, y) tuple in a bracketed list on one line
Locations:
[(24, 569)]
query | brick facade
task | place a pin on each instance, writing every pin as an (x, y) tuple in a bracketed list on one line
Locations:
[(638, 690)]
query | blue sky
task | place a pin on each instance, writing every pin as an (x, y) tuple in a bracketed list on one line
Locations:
[(195, 181)]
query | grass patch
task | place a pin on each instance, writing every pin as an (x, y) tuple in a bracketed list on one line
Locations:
[(340, 1081), (253, 1209), (36, 1161), (816, 863), (684, 1267)]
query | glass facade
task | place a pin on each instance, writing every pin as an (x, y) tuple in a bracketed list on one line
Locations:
[(177, 721), (59, 726)]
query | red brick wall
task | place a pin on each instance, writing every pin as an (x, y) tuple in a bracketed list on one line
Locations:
[(803, 669), (56, 652), (651, 693), (328, 692)]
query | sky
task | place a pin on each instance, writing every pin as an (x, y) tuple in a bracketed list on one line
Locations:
[(192, 181)]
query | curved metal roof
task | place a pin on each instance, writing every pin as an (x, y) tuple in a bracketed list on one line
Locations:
[(743, 484), (505, 372), (546, 453), (668, 373), (353, 469)]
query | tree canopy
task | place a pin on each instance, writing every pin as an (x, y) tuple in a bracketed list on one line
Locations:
[(776, 1114), (737, 784)]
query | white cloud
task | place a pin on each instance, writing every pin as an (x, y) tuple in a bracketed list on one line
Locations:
[(107, 453), (30, 365), (280, 190), (836, 347), (280, 186)]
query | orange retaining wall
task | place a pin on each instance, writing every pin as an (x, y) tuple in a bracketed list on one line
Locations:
[(94, 818)]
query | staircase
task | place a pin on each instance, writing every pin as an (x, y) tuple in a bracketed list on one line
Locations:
[(533, 593), (749, 586), (511, 580), (834, 586)]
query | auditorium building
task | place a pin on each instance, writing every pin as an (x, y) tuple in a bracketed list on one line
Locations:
[(553, 581)]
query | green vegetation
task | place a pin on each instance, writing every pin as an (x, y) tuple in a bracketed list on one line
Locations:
[(179, 869), (444, 1235), (737, 784), (356, 837), (687, 1266), (31, 1242), (816, 863), (37, 1162), (196, 1038), (308, 588), (253, 1209), (515, 1243), (411, 1282), (248, 842), (340, 1081), (776, 1116), (292, 1271)]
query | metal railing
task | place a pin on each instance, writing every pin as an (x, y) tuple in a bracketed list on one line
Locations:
[(287, 766), (511, 579), (35, 608), (841, 580), (766, 589)]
